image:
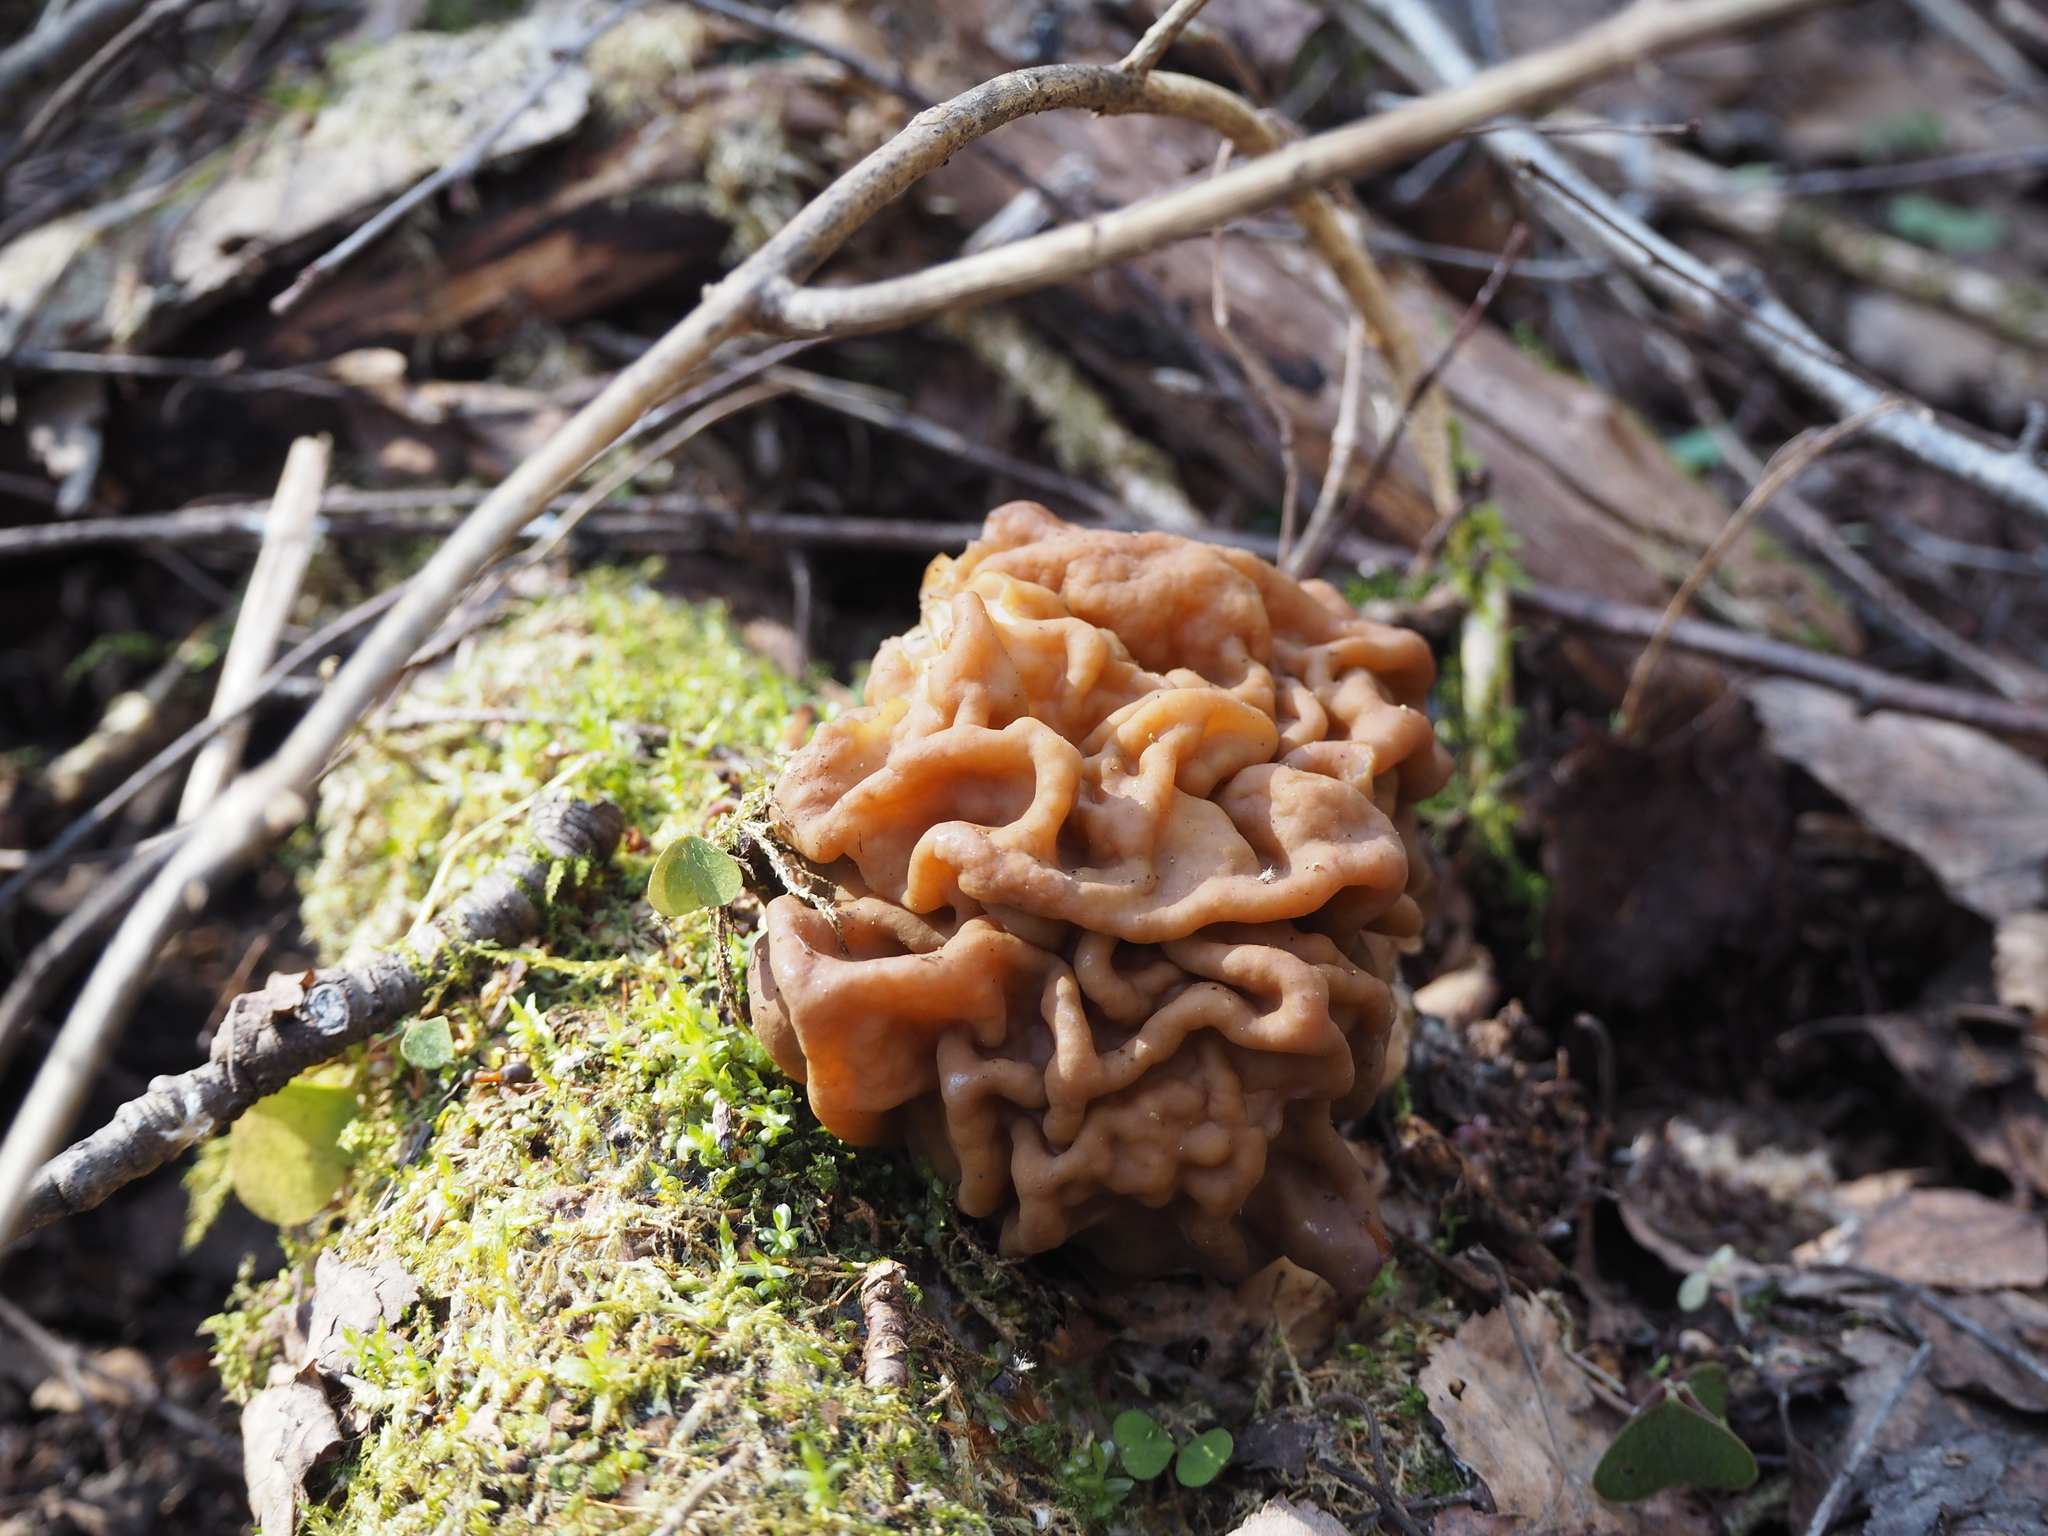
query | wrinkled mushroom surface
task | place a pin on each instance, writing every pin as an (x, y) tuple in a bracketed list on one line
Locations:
[(1125, 838)]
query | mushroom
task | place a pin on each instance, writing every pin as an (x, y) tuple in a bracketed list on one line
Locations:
[(1125, 852)]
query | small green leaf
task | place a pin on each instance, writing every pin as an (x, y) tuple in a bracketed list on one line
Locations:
[(285, 1155), (1693, 1291), (1203, 1457), (1945, 226), (1671, 1443), (427, 1043), (1709, 1386), (1144, 1446), (692, 873)]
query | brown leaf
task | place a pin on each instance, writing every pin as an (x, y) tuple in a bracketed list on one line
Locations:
[(1974, 810), (1943, 1237), (353, 1296), (287, 1430)]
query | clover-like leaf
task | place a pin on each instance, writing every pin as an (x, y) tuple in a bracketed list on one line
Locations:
[(1672, 1442), (284, 1154), (427, 1043), (1708, 1385), (1202, 1458), (1143, 1445), (692, 873)]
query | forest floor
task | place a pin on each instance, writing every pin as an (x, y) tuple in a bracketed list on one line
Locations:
[(1729, 1030)]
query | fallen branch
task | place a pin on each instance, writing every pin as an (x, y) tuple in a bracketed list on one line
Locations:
[(1596, 223), (763, 296), (269, 1037), (1870, 688)]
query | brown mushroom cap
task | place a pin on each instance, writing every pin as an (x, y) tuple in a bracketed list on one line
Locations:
[(1124, 831)]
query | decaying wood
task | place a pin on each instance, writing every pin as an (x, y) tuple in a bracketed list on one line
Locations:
[(267, 1038)]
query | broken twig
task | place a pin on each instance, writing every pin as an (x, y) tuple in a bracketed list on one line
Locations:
[(267, 1038), (885, 1309), (1786, 466)]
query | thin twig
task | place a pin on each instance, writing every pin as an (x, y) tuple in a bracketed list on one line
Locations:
[(176, 752), (1839, 1489), (1159, 37), (2017, 1358), (460, 168), (1565, 1474), (288, 539), (1819, 534), (1786, 465), (88, 75), (1315, 544), (1912, 173), (1597, 224), (1870, 688), (1379, 1468), (770, 25), (1344, 440), (1256, 372), (764, 295)]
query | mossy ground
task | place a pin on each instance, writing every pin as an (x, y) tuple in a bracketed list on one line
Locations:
[(640, 1270)]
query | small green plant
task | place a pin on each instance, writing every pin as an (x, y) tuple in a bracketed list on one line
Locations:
[(1950, 229), (285, 1155), (817, 1479), (428, 1044), (1093, 1490), (1145, 1448), (691, 874), (1678, 1438)]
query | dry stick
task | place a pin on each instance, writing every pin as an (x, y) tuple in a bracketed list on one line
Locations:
[(1839, 1489), (1256, 372), (88, 75), (461, 167), (1392, 1504), (1159, 37), (168, 759), (770, 25), (743, 398), (763, 295), (1912, 173), (267, 1038), (1344, 441), (1786, 465), (1870, 688), (1595, 222), (288, 539), (876, 408), (218, 372), (885, 1309), (1819, 534), (1315, 545), (66, 1363)]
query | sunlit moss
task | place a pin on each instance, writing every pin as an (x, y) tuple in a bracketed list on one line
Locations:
[(640, 1270)]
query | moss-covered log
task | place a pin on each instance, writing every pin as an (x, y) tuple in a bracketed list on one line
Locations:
[(640, 1259)]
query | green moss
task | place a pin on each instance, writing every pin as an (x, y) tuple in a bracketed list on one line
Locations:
[(640, 1271)]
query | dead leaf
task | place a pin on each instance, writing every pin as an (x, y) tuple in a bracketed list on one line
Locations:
[(114, 1378), (353, 1296), (1962, 1363), (1952, 1238), (1493, 1420), (1277, 1517), (2020, 963), (1974, 810), (287, 1430)]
